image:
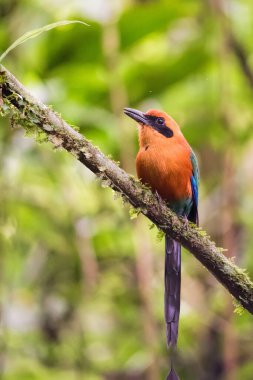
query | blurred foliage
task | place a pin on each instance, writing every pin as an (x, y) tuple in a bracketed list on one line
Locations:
[(81, 283)]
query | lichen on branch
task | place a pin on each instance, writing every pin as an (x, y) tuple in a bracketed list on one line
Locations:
[(47, 125)]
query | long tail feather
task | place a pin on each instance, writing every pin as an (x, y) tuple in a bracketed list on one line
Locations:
[(172, 375), (172, 280)]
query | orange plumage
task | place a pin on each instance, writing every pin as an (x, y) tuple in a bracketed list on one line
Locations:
[(166, 163), (163, 163)]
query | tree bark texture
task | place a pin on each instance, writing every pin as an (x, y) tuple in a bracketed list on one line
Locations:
[(49, 126)]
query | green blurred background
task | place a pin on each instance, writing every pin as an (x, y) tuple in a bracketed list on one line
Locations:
[(82, 284)]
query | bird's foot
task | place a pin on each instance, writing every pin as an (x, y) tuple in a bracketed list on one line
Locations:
[(158, 197), (185, 222), (160, 200)]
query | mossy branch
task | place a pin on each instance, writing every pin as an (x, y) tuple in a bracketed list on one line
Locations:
[(32, 114)]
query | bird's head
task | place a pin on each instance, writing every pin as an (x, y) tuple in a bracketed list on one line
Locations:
[(155, 121)]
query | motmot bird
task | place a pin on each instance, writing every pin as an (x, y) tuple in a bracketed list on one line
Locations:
[(166, 163)]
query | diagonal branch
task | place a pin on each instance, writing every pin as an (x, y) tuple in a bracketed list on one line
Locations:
[(32, 114)]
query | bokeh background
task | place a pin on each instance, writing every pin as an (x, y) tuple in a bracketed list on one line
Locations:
[(82, 284)]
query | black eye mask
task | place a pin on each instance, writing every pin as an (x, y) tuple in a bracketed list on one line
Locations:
[(158, 123)]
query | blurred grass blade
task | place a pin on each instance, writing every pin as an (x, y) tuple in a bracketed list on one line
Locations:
[(36, 32)]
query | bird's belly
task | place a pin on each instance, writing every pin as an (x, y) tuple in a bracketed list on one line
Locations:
[(170, 178)]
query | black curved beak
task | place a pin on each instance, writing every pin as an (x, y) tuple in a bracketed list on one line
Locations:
[(138, 116)]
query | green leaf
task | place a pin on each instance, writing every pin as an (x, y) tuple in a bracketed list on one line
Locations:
[(239, 309), (160, 235), (134, 212), (36, 32)]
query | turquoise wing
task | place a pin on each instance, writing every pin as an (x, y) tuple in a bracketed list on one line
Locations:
[(193, 215)]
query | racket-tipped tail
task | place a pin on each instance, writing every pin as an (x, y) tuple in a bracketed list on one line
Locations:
[(172, 281), (172, 375)]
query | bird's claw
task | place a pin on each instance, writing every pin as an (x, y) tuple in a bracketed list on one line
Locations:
[(185, 222), (158, 196)]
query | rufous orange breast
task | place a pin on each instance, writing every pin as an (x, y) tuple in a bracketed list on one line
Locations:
[(163, 165)]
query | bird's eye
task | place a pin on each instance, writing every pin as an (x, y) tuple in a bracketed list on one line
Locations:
[(160, 120)]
